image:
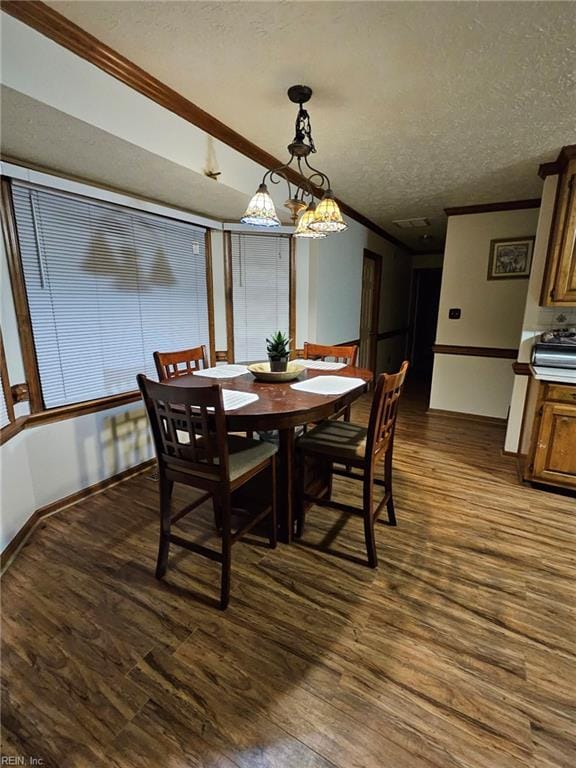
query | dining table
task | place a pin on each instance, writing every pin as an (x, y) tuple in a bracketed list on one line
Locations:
[(282, 408)]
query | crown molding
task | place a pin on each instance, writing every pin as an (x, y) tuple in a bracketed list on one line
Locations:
[(557, 166), (511, 205), (61, 30)]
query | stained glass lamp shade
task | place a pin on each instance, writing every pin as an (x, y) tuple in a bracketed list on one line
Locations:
[(328, 217), (303, 228), (261, 211)]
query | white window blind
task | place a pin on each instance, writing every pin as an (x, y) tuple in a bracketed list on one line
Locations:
[(107, 286), (260, 292)]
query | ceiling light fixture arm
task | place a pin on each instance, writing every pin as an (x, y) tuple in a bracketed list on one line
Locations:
[(323, 180)]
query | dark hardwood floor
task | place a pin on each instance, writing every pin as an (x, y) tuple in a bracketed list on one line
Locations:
[(459, 652)]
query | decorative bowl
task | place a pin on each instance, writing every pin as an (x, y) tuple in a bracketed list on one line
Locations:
[(262, 372)]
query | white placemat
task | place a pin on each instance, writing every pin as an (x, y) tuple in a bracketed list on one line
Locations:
[(328, 385), (233, 399), (223, 371), (320, 365)]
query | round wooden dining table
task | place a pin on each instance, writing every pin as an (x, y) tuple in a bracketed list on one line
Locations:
[(281, 408)]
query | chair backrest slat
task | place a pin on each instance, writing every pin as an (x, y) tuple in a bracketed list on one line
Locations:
[(169, 365), (188, 426), (337, 354), (384, 411)]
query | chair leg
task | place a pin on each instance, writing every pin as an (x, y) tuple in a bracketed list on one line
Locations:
[(388, 486), (347, 414), (328, 494), (273, 537), (300, 503), (166, 487), (369, 521), (226, 552), (217, 513)]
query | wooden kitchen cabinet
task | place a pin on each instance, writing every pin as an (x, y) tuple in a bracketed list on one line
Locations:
[(559, 286), (552, 453)]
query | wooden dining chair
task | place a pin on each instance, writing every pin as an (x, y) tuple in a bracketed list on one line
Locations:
[(347, 355), (192, 447), (169, 365), (340, 442)]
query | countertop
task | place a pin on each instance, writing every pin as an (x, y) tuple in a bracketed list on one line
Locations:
[(557, 375)]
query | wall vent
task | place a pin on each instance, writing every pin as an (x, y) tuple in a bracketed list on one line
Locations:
[(412, 223)]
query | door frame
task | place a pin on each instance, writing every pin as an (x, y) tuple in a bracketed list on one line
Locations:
[(376, 294)]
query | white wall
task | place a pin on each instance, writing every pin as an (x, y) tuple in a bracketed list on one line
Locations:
[(536, 319), (46, 463), (17, 499), (492, 314), (336, 290)]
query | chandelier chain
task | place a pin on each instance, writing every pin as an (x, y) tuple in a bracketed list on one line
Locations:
[(304, 128)]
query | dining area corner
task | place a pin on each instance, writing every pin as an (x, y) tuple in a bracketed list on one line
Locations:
[(282, 428)]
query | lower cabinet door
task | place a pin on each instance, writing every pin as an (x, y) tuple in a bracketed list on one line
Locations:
[(555, 454)]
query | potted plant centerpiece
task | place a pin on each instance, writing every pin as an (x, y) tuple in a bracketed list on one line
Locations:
[(278, 348)]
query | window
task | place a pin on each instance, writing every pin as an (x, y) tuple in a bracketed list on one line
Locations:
[(260, 271), (106, 287)]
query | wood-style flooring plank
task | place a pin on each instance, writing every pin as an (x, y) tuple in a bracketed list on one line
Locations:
[(458, 652)]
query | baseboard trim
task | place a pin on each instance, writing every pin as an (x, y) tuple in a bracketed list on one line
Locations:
[(12, 549), (467, 416)]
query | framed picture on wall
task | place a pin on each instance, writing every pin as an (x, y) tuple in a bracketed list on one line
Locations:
[(510, 258)]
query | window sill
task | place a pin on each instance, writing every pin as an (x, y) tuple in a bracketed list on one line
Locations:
[(66, 412), (12, 429), (82, 409)]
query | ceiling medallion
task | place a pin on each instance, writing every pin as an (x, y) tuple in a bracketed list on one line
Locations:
[(316, 220)]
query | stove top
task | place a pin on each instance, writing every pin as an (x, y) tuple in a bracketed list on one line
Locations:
[(562, 336)]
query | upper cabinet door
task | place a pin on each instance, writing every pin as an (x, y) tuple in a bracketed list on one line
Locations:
[(559, 287)]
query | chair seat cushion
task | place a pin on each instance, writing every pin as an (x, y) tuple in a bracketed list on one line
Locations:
[(340, 439), (244, 454)]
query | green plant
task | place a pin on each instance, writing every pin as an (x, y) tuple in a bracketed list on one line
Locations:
[(278, 346)]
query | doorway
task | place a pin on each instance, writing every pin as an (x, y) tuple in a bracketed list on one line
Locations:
[(426, 285), (370, 309)]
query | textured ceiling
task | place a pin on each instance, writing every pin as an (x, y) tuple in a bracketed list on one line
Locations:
[(44, 136), (417, 105)]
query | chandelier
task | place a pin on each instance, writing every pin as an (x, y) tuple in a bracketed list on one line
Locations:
[(304, 182)]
